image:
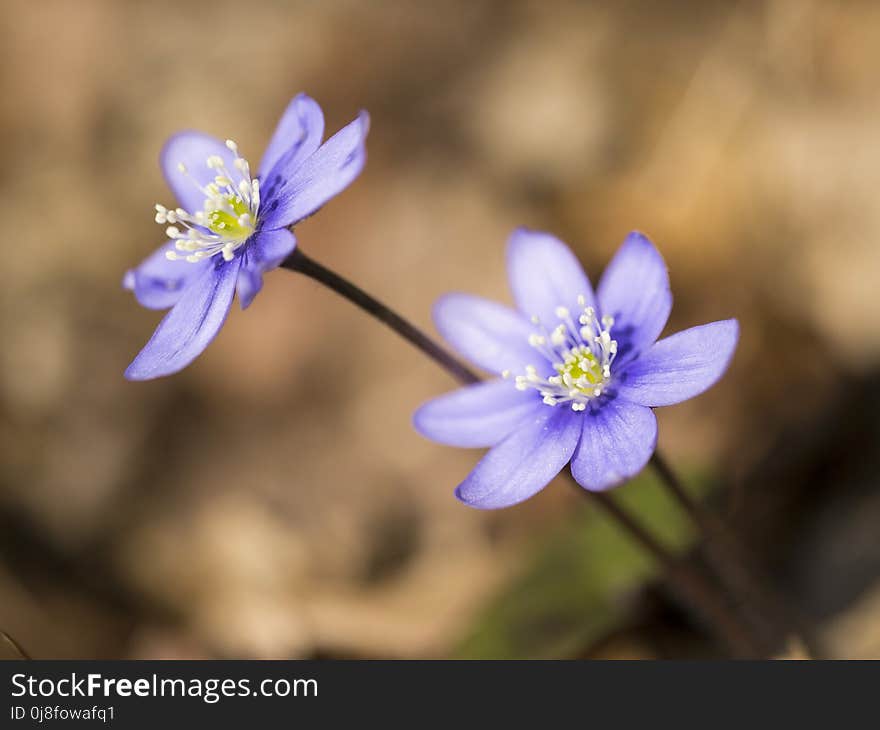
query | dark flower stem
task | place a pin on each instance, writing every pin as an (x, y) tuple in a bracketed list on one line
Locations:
[(689, 583), (15, 645), (298, 261), (732, 565)]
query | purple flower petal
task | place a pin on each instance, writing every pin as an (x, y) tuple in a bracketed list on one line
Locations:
[(635, 291), (187, 329), (249, 284), (476, 416), (489, 334), (617, 440), (192, 149), (545, 274), (298, 135), (681, 366), (158, 283), (326, 173), (525, 462), (265, 251)]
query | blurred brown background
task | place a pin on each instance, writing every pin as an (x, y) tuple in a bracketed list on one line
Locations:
[(272, 500)]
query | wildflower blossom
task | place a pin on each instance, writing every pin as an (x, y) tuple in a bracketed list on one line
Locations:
[(580, 371), (231, 225)]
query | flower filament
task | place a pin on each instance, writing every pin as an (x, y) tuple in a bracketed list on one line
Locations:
[(581, 354), (228, 216)]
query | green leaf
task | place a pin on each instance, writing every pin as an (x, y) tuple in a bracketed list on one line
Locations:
[(569, 593)]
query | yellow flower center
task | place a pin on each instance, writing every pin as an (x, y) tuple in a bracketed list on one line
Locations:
[(233, 220), (582, 368)]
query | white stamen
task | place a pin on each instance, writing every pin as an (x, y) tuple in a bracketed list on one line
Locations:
[(580, 355), (228, 215)]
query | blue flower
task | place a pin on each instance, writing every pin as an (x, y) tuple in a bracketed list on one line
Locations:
[(580, 370), (231, 227)]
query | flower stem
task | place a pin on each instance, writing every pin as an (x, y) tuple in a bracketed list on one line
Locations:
[(730, 563), (15, 645), (689, 583), (298, 261)]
